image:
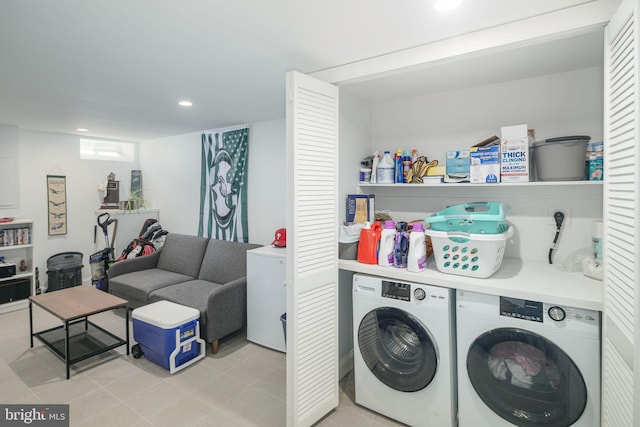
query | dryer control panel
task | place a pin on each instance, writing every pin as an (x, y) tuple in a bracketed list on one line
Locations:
[(522, 309)]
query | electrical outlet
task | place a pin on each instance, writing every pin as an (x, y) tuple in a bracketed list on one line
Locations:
[(567, 216)]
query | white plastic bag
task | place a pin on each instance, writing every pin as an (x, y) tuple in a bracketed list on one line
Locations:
[(349, 233)]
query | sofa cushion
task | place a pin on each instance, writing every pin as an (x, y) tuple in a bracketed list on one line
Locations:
[(137, 285), (182, 254), (194, 293), (225, 261)]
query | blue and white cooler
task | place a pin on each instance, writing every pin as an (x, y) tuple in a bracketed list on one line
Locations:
[(168, 334)]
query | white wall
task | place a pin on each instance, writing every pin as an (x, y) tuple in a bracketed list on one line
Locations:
[(171, 180), (355, 137), (553, 105), (41, 154)]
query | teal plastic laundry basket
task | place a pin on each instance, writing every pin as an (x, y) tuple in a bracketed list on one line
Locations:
[(475, 218)]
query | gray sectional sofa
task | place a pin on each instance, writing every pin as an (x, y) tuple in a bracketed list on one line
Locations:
[(207, 274)]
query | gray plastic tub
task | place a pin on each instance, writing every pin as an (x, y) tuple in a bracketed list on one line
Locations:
[(561, 159)]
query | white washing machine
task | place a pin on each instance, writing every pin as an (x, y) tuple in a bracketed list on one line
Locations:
[(526, 363), (404, 351)]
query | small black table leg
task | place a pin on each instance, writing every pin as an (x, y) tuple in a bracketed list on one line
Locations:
[(127, 327), (66, 346), (31, 322)]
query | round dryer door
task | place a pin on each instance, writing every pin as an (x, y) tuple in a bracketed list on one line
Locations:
[(398, 349), (526, 379)]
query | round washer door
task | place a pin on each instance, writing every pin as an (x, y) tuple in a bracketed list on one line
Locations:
[(526, 379), (398, 349)]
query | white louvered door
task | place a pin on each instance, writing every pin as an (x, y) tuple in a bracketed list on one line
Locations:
[(312, 249), (621, 320)]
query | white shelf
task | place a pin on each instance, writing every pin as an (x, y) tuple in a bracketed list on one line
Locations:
[(495, 185), (13, 247), (21, 221), (22, 275), (531, 280), (16, 254)]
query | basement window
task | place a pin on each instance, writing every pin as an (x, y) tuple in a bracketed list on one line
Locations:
[(96, 149)]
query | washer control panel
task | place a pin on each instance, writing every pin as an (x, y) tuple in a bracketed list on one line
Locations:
[(413, 292), (395, 290)]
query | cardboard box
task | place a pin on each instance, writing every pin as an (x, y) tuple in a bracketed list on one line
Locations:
[(360, 208), (595, 160), (485, 161), (514, 154), (458, 162)]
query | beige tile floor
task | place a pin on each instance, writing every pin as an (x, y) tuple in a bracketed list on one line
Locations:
[(242, 385)]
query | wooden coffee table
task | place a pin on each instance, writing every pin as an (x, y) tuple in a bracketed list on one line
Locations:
[(77, 338)]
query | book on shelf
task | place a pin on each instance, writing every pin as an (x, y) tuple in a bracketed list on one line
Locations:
[(15, 236), (360, 208)]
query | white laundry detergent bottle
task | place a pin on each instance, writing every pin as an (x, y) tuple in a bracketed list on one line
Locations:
[(387, 244), (417, 257), (385, 170)]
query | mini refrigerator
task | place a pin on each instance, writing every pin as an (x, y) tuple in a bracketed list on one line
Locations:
[(266, 296)]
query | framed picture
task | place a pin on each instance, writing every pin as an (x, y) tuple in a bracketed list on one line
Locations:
[(136, 183), (57, 204)]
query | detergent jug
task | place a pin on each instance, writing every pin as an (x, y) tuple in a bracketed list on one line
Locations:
[(402, 246), (417, 257), (368, 244), (387, 244)]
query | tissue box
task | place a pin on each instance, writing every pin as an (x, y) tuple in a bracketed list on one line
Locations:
[(458, 162), (485, 161)]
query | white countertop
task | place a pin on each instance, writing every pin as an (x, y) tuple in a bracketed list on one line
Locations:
[(533, 280)]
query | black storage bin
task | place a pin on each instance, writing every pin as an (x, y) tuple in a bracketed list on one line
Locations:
[(64, 270), (15, 290)]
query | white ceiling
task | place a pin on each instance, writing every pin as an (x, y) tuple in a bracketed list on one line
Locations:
[(119, 67)]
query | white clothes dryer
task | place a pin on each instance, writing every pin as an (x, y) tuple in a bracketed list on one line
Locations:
[(526, 363), (404, 351)]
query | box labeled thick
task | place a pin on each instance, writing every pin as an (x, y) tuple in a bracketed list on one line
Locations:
[(360, 208), (514, 154), (168, 334), (485, 161)]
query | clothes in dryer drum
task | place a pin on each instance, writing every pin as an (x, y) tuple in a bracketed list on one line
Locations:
[(526, 379), (526, 363), (398, 349)]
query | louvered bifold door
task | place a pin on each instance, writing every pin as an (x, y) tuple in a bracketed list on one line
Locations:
[(620, 339), (312, 249)]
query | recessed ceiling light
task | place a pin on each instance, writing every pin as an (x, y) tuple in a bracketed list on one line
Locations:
[(185, 103), (82, 130), (444, 5)]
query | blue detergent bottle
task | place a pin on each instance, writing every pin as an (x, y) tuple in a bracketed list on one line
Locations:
[(401, 250), (398, 169)]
